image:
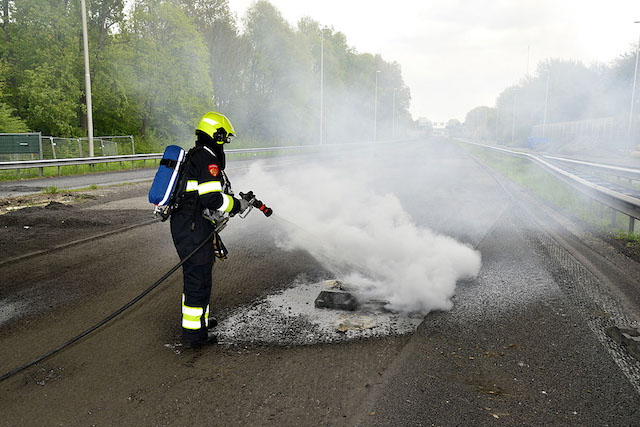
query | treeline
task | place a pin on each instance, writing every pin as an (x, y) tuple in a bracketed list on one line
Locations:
[(569, 90), (156, 68)]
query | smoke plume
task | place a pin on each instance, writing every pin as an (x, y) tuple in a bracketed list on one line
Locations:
[(364, 238)]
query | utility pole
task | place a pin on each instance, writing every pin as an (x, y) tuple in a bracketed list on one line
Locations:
[(87, 76), (633, 95)]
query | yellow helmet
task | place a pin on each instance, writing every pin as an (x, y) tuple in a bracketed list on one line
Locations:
[(212, 123)]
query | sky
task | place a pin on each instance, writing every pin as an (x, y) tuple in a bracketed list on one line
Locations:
[(459, 54)]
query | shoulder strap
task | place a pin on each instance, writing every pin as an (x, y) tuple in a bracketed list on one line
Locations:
[(182, 178), (209, 150)]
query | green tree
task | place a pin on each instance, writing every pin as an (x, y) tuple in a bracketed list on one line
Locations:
[(155, 70), (278, 76), (9, 123), (620, 81), (480, 123), (49, 98), (349, 88), (228, 53), (104, 15), (42, 53), (164, 67), (576, 92)]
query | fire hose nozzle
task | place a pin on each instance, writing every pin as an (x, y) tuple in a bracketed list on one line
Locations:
[(253, 202), (263, 208)]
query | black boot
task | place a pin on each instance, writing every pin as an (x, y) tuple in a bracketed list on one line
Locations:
[(213, 322), (211, 339)]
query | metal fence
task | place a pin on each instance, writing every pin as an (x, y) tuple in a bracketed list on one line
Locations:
[(25, 146), (54, 147), (68, 148)]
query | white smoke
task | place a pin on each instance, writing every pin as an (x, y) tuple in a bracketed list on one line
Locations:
[(366, 239)]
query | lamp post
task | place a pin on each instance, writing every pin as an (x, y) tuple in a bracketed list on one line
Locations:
[(87, 76), (375, 109), (633, 93), (322, 31)]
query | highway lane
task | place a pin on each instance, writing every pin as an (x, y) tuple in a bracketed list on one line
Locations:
[(519, 346), (37, 185)]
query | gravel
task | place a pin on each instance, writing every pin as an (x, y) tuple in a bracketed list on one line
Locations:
[(289, 317)]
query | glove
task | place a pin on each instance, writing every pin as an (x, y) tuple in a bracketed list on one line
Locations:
[(247, 196), (243, 205), (239, 206)]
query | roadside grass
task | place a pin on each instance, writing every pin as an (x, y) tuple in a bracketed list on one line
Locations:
[(51, 190), (631, 239), (546, 186)]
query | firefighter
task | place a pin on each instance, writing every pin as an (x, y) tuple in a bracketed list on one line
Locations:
[(206, 188)]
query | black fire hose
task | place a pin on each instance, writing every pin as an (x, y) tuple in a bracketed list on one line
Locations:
[(112, 315)]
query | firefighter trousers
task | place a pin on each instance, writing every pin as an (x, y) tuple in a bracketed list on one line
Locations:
[(197, 272)]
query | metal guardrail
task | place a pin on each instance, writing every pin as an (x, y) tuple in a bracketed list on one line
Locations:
[(616, 200), (26, 164), (618, 171), (40, 164)]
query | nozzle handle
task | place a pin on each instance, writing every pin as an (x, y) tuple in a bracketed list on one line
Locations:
[(251, 198)]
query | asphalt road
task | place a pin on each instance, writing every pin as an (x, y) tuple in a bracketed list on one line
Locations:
[(523, 344)]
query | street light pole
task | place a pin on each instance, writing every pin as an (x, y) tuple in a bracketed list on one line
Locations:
[(87, 76), (322, 31), (633, 93), (375, 109)]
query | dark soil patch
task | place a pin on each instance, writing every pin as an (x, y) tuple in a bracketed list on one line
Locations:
[(42, 221), (34, 229)]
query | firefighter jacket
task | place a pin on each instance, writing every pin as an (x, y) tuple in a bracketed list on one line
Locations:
[(205, 180)]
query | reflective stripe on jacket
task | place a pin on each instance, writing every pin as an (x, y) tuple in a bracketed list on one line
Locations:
[(204, 176)]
